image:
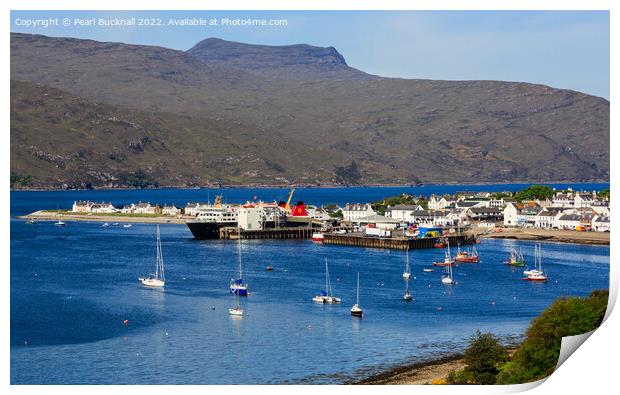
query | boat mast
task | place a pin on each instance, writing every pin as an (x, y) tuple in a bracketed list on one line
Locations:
[(357, 300), (239, 249), (160, 256), (327, 284)]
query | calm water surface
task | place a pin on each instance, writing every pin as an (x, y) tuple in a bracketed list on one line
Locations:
[(72, 288)]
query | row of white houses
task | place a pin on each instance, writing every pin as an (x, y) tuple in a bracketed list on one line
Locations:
[(536, 216), (133, 208)]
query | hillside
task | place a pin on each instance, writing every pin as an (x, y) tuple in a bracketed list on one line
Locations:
[(219, 114)]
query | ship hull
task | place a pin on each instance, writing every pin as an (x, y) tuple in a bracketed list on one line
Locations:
[(207, 230)]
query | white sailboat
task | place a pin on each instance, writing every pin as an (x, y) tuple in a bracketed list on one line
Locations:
[(238, 286), (447, 277), (407, 272), (408, 297), (356, 310), (158, 279), (537, 273), (326, 295), (237, 310)]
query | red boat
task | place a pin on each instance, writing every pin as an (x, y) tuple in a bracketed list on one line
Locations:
[(440, 244), (465, 257), (317, 237)]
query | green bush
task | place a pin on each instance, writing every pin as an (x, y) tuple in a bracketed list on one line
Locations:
[(484, 356), (538, 355)]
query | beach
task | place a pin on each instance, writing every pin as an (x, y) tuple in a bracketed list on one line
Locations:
[(419, 373), (553, 235)]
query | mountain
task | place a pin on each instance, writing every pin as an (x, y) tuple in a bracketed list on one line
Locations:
[(292, 62), (240, 114)]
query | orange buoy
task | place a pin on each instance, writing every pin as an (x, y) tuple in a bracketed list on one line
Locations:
[(126, 322)]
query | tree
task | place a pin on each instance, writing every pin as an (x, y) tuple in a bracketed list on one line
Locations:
[(540, 192), (538, 355), (484, 356), (603, 194)]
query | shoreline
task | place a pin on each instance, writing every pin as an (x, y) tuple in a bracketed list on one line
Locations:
[(543, 235), (431, 372), (50, 216), (423, 373), (326, 186), (546, 235)]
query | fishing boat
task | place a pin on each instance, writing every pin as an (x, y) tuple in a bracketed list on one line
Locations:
[(317, 237), (448, 260), (516, 258), (326, 296), (537, 273), (238, 286), (356, 310), (466, 257), (158, 279), (446, 278), (440, 244), (407, 272)]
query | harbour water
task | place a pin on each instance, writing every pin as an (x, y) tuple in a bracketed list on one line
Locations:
[(73, 287)]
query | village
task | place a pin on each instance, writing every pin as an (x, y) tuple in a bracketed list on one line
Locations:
[(566, 210)]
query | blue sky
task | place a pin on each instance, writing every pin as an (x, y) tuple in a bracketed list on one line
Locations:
[(563, 49)]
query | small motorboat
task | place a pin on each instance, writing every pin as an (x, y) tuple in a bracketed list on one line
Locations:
[(317, 237), (30, 222), (127, 225), (269, 268), (428, 270), (105, 225)]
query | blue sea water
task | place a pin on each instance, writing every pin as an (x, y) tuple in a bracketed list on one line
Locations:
[(72, 288)]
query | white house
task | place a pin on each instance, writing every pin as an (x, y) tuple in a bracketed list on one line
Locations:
[(170, 210), (600, 223), (82, 206), (601, 207), (583, 199), (568, 221), (103, 208), (146, 208), (547, 218), (439, 203), (402, 212), (510, 214), (563, 200), (353, 212)]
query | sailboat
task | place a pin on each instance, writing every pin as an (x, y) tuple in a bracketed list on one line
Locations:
[(446, 278), (157, 280), (448, 261), (237, 310), (536, 274), (239, 286), (59, 223), (326, 295), (356, 310), (408, 297), (407, 272)]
